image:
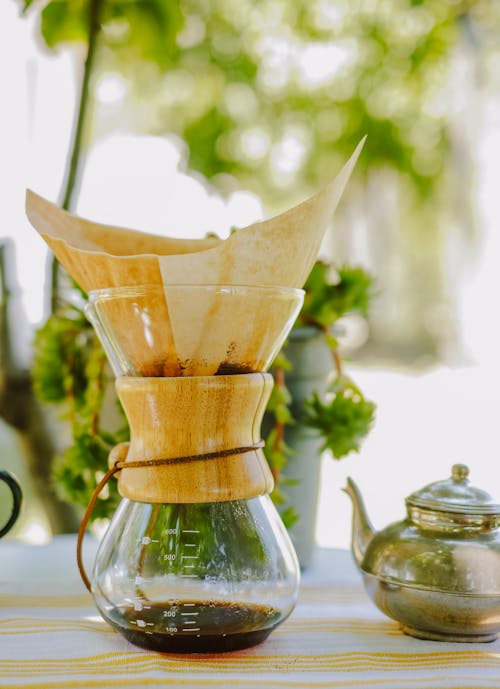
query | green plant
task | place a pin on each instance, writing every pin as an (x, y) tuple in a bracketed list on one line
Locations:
[(342, 417), (69, 371)]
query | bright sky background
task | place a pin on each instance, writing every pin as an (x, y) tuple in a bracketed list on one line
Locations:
[(425, 422)]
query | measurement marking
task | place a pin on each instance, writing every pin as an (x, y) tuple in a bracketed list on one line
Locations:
[(189, 621), (190, 613), (189, 605), (190, 531), (189, 557), (192, 629)]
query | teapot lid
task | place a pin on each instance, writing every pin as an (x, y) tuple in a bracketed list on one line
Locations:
[(455, 494)]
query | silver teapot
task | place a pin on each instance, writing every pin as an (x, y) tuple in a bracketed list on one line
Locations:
[(437, 572)]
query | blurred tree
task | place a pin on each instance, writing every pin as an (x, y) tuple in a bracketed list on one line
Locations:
[(273, 95), (277, 93)]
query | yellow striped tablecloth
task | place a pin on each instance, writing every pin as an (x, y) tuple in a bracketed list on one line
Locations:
[(51, 637)]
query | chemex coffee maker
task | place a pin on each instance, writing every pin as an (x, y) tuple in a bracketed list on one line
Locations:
[(196, 558)]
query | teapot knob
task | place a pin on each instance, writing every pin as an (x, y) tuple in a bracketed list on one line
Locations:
[(459, 472)]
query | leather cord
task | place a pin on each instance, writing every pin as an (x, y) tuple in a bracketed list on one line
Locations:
[(119, 465)]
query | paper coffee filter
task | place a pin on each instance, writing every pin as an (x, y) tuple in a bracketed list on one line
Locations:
[(97, 255), (279, 251), (146, 347), (233, 329)]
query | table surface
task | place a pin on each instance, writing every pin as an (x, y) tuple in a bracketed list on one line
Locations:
[(51, 636)]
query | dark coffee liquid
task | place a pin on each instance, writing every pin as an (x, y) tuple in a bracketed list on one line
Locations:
[(194, 626)]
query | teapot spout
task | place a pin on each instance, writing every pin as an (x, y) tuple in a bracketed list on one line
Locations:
[(362, 529)]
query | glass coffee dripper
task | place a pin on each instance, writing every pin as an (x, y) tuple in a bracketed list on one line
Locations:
[(196, 558)]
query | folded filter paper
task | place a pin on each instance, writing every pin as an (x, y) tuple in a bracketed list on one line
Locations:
[(193, 327)]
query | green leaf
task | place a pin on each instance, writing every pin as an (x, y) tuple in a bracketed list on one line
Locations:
[(283, 415), (343, 421), (147, 29), (64, 21), (59, 358), (281, 361), (354, 290), (280, 396), (201, 136), (289, 516), (286, 481), (331, 295), (278, 497), (26, 5), (78, 470)]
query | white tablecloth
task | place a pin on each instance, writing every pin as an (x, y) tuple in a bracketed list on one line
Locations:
[(51, 636)]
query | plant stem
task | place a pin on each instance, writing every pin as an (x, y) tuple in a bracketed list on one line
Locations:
[(337, 361), (75, 156), (76, 145)]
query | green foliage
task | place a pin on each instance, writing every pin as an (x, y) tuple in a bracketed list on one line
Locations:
[(78, 470), (143, 29), (276, 94), (69, 371), (201, 135), (132, 29), (344, 417), (276, 450), (289, 516), (60, 356), (26, 4), (344, 420), (329, 297), (279, 404), (64, 21), (377, 66)]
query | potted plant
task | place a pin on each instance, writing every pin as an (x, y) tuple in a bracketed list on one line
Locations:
[(316, 406)]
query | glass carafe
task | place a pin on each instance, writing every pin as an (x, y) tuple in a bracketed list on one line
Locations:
[(205, 577), (196, 558)]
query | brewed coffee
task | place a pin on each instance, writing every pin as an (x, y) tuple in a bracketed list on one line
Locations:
[(194, 626)]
